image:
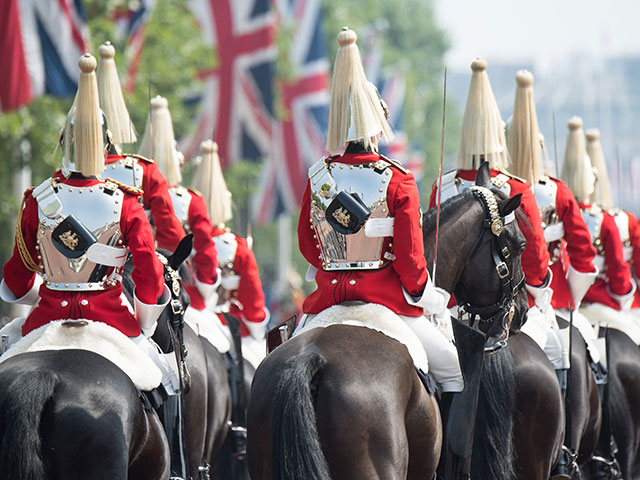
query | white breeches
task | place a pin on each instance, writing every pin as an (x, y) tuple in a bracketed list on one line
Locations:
[(543, 329), (442, 354), (602, 315), (253, 350), (166, 362), (586, 330)]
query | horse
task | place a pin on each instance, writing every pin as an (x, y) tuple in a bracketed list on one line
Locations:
[(73, 414), (346, 402), (207, 400), (622, 416), (519, 385)]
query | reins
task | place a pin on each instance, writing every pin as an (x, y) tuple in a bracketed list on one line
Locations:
[(503, 309)]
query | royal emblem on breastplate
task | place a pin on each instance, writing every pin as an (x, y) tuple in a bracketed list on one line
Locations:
[(342, 217), (69, 239)]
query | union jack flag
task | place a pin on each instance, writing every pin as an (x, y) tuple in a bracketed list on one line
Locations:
[(237, 103), (132, 25), (299, 133)]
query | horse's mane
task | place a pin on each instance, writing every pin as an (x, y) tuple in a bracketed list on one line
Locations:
[(447, 208)]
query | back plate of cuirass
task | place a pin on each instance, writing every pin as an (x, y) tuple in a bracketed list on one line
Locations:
[(126, 170), (545, 192), (181, 199), (593, 218), (370, 181), (226, 246), (100, 213)]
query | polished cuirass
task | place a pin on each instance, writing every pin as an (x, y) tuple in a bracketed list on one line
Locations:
[(126, 170), (453, 185), (226, 247), (181, 199), (96, 209), (546, 192), (593, 218), (622, 222), (362, 250)]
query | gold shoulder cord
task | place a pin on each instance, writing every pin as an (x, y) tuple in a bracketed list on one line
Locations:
[(27, 260)]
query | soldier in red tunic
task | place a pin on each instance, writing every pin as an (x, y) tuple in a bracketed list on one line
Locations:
[(565, 231), (240, 291), (609, 299), (188, 205), (382, 261), (73, 236), (134, 170), (483, 139)]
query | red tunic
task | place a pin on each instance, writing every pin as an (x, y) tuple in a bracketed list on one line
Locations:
[(575, 248), (535, 258), (634, 241), (383, 286), (103, 305), (616, 276), (156, 197), (204, 260), (247, 301)]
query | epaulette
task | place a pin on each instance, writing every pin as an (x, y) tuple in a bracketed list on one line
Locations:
[(28, 191), (138, 192), (330, 158), (197, 192), (511, 175), (137, 157), (395, 163)]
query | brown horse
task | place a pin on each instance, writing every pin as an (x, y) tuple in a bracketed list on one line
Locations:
[(345, 402)]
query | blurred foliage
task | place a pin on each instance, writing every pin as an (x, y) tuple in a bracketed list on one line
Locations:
[(174, 54)]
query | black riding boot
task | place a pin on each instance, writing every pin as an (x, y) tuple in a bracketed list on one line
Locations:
[(566, 466), (235, 366), (171, 415)]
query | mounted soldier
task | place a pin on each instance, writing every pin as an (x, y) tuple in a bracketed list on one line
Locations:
[(240, 291), (188, 207), (360, 221), (609, 299), (130, 169), (565, 231), (483, 139), (74, 234)]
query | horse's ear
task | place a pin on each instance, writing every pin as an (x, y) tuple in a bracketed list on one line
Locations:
[(182, 252), (509, 205), (483, 177)]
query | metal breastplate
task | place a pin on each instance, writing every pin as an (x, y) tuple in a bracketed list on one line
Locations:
[(181, 199), (98, 208), (593, 218), (622, 222), (370, 181), (226, 247), (453, 185), (545, 192), (126, 170)]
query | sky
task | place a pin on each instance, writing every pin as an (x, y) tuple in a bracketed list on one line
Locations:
[(542, 31)]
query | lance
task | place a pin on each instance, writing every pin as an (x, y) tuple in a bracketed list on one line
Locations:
[(555, 146), (619, 178), (444, 112), (150, 118)]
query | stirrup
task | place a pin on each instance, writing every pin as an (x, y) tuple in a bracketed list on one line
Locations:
[(566, 466), (602, 469), (238, 441)]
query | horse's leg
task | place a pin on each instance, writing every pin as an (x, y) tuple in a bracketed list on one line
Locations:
[(195, 402), (538, 396), (424, 432)]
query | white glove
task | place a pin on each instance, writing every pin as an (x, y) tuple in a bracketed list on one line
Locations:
[(579, 283), (147, 315), (30, 298), (433, 299), (625, 300), (542, 294)]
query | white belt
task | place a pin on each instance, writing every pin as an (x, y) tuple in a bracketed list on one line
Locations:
[(554, 232), (106, 255), (379, 227)]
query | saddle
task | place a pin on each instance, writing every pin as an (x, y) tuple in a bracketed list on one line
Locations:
[(95, 337), (375, 317)]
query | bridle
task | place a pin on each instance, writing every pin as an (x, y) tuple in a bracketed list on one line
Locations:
[(504, 309)]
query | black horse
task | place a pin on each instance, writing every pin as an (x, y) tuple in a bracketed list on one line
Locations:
[(345, 402), (73, 414)]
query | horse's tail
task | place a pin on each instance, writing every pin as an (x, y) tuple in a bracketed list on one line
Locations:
[(296, 446), (492, 445), (24, 401)]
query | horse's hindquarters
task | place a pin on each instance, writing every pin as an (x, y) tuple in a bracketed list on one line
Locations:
[(347, 393)]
